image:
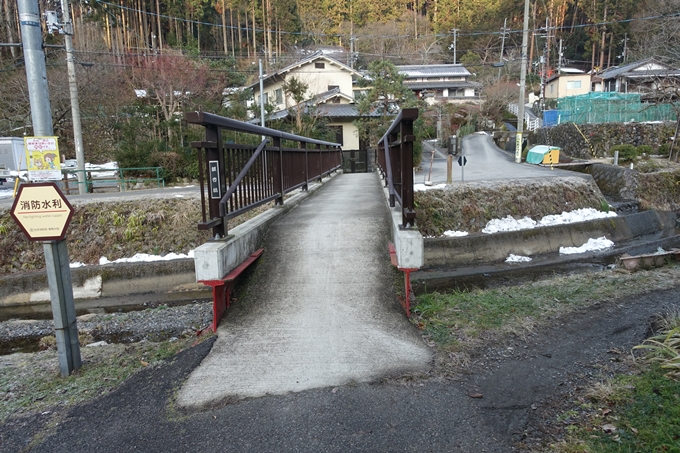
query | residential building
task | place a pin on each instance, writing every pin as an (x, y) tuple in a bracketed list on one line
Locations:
[(644, 76), (329, 82), (441, 83), (568, 82)]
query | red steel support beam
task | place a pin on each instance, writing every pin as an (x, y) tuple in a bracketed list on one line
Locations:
[(221, 288)]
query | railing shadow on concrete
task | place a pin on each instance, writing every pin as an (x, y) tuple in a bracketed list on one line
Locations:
[(395, 161), (241, 177)]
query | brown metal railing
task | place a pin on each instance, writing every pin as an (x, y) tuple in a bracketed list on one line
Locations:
[(242, 177), (395, 159)]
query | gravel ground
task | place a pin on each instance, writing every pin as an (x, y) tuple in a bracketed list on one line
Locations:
[(153, 324)]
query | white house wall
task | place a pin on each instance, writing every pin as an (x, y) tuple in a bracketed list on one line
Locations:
[(317, 81), (350, 136)]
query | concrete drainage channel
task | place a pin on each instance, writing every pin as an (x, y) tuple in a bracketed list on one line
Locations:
[(108, 288), (473, 261)]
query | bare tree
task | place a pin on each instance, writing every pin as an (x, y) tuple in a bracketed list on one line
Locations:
[(659, 37)]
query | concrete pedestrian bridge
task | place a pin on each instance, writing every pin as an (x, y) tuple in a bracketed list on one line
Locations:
[(319, 309)]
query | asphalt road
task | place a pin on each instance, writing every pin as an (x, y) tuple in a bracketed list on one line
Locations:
[(485, 161)]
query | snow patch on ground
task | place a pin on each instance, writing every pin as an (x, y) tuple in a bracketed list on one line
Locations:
[(423, 187), (146, 258), (591, 246), (455, 234), (517, 259), (511, 224)]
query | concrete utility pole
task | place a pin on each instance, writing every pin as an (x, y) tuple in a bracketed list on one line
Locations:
[(454, 31), (261, 96), (36, 73), (522, 85), (73, 90), (56, 254), (500, 57)]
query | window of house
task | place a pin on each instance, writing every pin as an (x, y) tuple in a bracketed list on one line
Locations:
[(265, 99), (573, 84), (333, 87), (278, 96), (320, 65)]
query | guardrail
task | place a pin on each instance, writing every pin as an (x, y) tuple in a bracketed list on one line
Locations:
[(240, 177), (533, 122), (395, 159), (107, 178)]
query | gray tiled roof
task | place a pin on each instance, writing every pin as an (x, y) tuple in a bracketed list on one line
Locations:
[(629, 70), (308, 59), (434, 70), (441, 85)]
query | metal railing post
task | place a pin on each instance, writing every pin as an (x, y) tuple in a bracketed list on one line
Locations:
[(303, 145), (278, 172), (408, 214), (216, 178)]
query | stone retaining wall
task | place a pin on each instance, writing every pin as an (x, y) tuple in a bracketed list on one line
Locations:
[(600, 137)]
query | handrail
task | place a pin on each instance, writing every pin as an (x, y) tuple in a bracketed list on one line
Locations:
[(395, 157), (241, 177), (210, 119)]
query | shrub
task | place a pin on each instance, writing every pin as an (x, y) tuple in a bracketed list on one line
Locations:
[(627, 153), (645, 150), (647, 166), (664, 149)]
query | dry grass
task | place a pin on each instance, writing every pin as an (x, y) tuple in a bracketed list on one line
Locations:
[(469, 207), (115, 230)]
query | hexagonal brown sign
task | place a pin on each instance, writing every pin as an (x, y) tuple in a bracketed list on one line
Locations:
[(42, 211)]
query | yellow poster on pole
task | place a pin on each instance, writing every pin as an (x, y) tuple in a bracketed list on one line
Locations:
[(42, 158)]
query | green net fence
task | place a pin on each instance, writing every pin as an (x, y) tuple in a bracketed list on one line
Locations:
[(598, 107)]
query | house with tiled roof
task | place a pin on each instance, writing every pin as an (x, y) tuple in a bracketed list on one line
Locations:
[(441, 83), (330, 89), (643, 76)]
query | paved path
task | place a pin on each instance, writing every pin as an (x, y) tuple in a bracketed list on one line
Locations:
[(319, 309), (485, 161)]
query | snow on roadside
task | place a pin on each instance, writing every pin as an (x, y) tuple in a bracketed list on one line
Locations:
[(138, 258), (592, 245), (423, 187), (511, 224), (455, 234), (517, 259), (146, 258)]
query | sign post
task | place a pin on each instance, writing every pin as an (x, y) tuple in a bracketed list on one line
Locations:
[(43, 213), (462, 160)]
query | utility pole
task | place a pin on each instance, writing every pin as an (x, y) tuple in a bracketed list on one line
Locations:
[(522, 85), (559, 58), (625, 48), (56, 253), (73, 91), (36, 72), (454, 31), (504, 30), (261, 95)]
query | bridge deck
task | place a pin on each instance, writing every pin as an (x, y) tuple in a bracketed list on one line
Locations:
[(320, 308)]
